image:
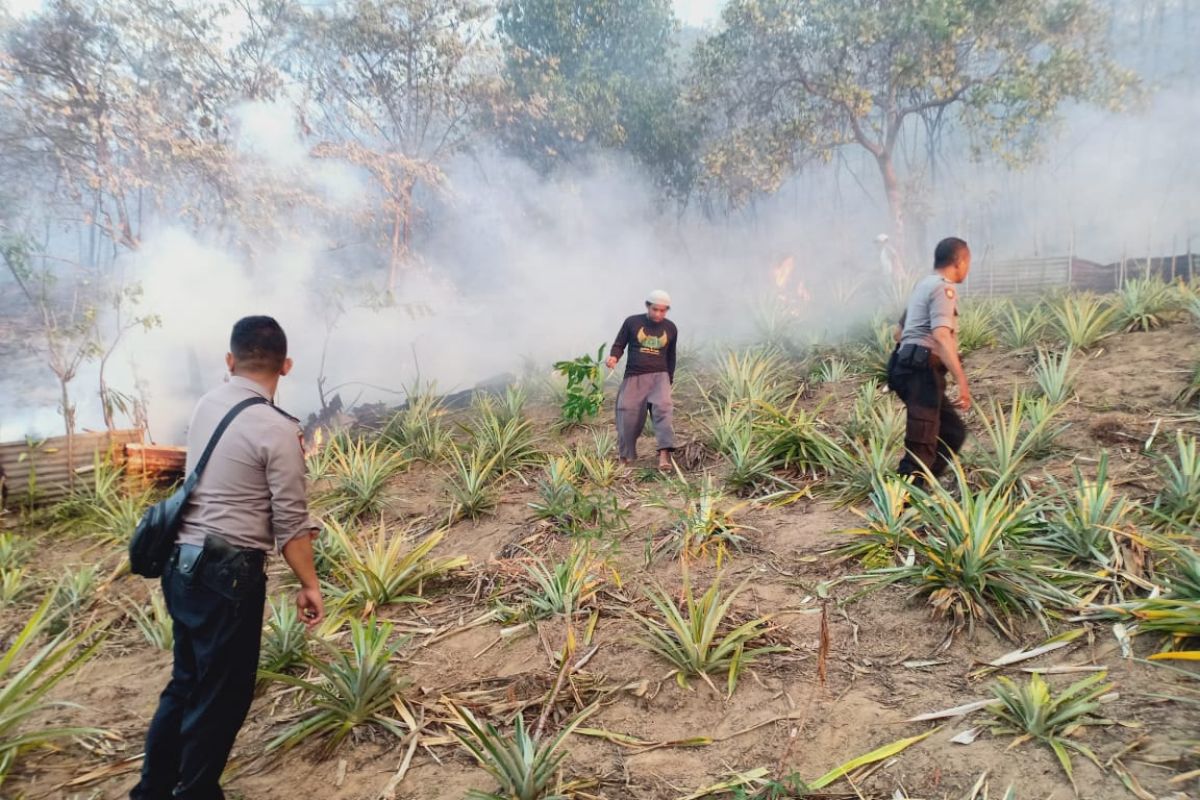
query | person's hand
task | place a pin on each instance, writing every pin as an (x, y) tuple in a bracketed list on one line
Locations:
[(963, 401), (611, 362), (311, 606)]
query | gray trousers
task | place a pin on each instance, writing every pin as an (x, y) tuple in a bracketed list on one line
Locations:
[(638, 395)]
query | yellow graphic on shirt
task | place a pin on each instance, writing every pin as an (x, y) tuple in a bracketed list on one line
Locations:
[(651, 344)]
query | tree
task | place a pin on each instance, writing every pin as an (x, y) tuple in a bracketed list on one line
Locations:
[(791, 81), (109, 106), (589, 74), (397, 86), (65, 315)]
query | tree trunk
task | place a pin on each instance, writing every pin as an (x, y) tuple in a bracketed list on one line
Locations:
[(401, 234), (105, 401), (397, 246), (69, 423), (895, 201)]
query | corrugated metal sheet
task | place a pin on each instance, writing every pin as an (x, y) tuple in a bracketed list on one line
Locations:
[(1031, 277), (45, 462)]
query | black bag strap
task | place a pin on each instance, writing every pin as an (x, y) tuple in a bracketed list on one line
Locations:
[(194, 478)]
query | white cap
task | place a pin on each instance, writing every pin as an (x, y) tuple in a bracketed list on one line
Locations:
[(658, 298), (883, 237)]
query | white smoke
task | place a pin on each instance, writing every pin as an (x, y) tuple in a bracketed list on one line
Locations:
[(511, 267)]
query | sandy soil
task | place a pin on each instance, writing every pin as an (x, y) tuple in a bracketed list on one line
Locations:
[(781, 717)]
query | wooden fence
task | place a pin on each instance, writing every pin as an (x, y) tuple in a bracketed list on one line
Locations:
[(38, 471)]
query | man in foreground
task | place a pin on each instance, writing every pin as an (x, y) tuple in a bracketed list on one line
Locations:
[(250, 501), (927, 350), (649, 375)]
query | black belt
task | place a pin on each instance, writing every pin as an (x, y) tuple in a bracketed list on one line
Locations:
[(913, 355), (187, 556)]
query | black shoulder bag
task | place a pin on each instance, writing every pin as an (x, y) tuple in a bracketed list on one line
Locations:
[(154, 538)]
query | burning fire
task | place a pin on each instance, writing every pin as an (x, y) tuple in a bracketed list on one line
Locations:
[(781, 274), (318, 439)]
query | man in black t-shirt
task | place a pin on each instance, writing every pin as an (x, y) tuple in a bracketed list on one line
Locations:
[(649, 374)]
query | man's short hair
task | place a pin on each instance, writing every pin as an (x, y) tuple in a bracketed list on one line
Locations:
[(948, 251), (258, 344)]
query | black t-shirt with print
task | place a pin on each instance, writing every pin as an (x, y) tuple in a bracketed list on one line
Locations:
[(651, 345)]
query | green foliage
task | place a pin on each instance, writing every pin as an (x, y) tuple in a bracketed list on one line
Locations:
[(381, 566), (875, 353), (27, 678), (788, 787), (525, 767), (585, 387), (73, 593), (857, 467), (14, 583), (704, 523), (968, 555), (793, 437), (1141, 304), (751, 378), (353, 688), (1054, 376), (154, 623), (13, 549), (596, 75), (874, 417), (1084, 525), (506, 439), (572, 507), (470, 483), (789, 81), (1013, 438), (1179, 499), (104, 508), (750, 462), (690, 638), (833, 370), (887, 525), (1043, 432), (1032, 711), (1081, 320), (285, 643), (1022, 326), (1191, 390), (595, 463), (359, 476), (977, 325), (560, 589), (417, 429), (556, 492), (777, 326), (14, 580)]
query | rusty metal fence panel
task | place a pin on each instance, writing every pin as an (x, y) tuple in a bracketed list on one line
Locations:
[(43, 463)]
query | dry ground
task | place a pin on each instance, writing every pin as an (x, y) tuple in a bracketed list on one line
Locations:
[(781, 716)]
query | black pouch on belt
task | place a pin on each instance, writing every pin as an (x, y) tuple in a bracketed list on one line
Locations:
[(914, 356), (226, 568)]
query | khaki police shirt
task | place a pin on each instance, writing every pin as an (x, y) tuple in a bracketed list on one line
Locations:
[(932, 304), (252, 493)]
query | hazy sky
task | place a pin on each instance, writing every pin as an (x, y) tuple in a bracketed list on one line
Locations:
[(698, 12), (692, 12)]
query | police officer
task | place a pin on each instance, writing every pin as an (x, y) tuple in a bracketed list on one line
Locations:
[(250, 501), (927, 349)]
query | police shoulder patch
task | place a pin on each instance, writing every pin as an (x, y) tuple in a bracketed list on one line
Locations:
[(950, 292)]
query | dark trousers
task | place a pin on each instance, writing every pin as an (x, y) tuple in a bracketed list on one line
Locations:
[(217, 611), (934, 431)]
